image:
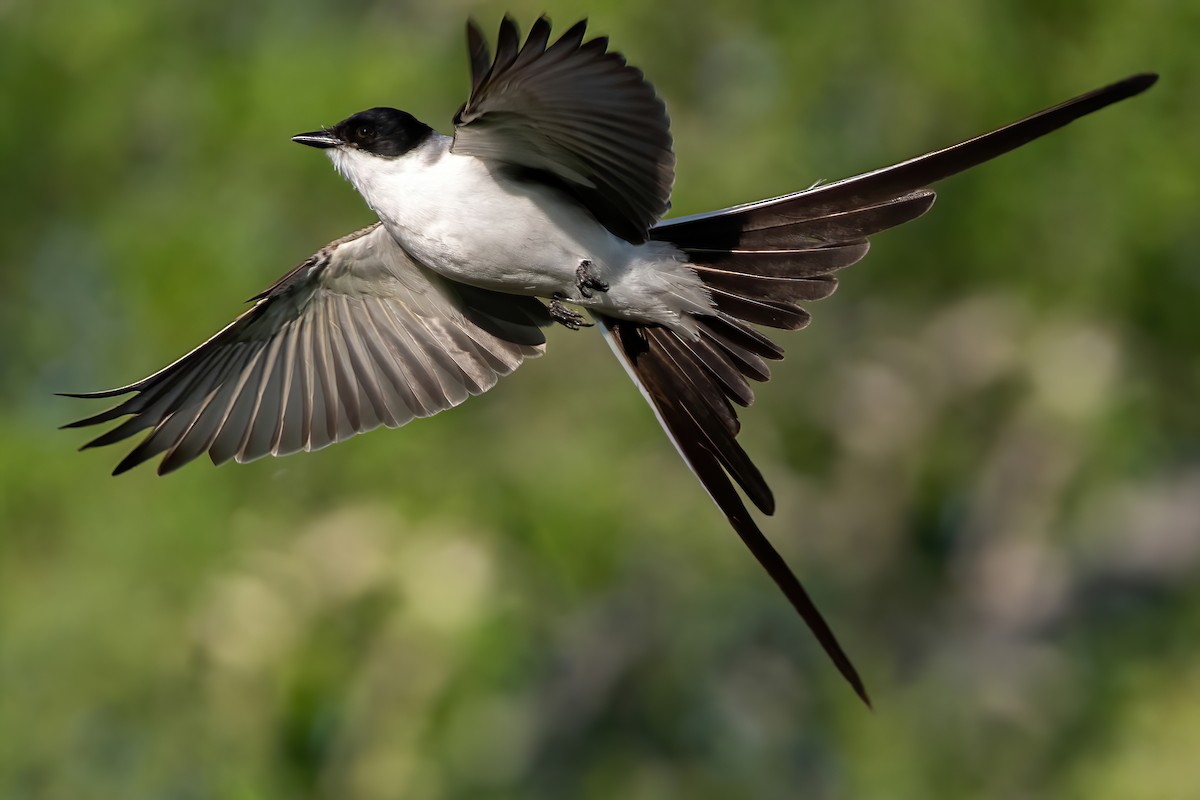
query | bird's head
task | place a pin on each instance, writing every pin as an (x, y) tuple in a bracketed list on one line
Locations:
[(360, 139)]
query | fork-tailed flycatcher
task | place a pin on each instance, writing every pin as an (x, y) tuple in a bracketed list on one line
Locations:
[(551, 188)]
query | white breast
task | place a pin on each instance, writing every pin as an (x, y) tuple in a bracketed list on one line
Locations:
[(467, 220)]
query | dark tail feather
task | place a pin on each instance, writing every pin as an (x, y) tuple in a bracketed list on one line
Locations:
[(687, 383), (693, 382), (759, 261), (850, 210), (757, 277)]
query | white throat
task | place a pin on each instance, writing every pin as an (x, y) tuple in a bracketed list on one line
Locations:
[(378, 178), (465, 219)]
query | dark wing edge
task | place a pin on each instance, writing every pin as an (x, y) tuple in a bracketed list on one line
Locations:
[(355, 337), (574, 114)]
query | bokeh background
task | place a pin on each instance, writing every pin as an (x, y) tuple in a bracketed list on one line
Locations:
[(986, 449)]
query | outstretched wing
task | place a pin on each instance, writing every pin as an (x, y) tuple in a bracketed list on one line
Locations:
[(355, 337), (576, 113)]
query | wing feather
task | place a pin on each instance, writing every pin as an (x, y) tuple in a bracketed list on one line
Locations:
[(575, 112), (357, 337)]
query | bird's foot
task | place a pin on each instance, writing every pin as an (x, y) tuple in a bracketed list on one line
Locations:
[(565, 316), (586, 279)]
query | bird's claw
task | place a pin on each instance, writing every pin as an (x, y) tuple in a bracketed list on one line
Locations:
[(565, 316), (586, 279)]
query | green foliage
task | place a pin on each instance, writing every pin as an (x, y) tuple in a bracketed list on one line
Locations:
[(986, 449)]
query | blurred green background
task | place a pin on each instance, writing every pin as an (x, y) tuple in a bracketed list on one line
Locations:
[(986, 449)]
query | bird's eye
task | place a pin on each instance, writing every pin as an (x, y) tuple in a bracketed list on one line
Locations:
[(365, 132)]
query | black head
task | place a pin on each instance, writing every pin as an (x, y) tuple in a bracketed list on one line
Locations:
[(386, 132)]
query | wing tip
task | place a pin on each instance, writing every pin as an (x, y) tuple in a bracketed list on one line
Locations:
[(572, 38), (509, 27), (96, 419), (102, 394), (128, 462)]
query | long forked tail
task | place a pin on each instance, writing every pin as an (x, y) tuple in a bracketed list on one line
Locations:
[(759, 262)]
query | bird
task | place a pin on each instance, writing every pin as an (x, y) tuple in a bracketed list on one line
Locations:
[(548, 196)]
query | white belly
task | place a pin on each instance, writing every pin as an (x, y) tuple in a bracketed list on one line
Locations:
[(453, 214)]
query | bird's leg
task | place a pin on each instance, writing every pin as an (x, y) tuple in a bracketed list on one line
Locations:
[(588, 282), (586, 279), (565, 316)]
